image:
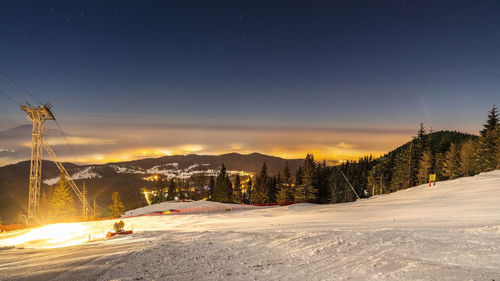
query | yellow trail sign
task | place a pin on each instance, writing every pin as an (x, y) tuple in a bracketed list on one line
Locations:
[(432, 177)]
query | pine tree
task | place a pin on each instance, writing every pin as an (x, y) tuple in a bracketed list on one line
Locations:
[(424, 167), (451, 163), (259, 192), (249, 189), (467, 156), (438, 165), (400, 174), (286, 174), (272, 188), (489, 147), (218, 194), (379, 177), (172, 190), (62, 202), (418, 147), (237, 193), (211, 187), (285, 193), (421, 135), (306, 192), (223, 188), (298, 176), (116, 208), (322, 184), (228, 190)]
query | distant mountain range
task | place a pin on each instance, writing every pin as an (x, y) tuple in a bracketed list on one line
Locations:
[(128, 177), (19, 132)]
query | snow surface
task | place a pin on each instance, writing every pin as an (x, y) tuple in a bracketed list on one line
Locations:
[(450, 232)]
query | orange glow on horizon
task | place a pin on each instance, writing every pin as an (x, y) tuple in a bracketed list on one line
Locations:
[(331, 155), (323, 145)]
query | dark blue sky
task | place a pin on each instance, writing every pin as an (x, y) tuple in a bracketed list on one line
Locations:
[(335, 64)]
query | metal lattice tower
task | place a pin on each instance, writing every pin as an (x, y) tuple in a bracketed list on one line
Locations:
[(37, 115)]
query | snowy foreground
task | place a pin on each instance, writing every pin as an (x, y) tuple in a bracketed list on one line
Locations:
[(451, 232)]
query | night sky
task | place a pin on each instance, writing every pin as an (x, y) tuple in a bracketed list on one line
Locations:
[(341, 79)]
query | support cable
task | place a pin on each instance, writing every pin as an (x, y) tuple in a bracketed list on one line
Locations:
[(37, 100), (9, 98), (350, 184), (79, 194), (20, 87), (66, 140)]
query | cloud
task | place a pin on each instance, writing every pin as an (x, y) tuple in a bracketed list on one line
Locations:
[(103, 143), (344, 145), (76, 141)]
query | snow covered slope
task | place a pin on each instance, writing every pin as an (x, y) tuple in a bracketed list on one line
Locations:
[(169, 170), (80, 174), (447, 232)]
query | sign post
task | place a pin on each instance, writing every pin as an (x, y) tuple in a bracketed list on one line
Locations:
[(432, 178)]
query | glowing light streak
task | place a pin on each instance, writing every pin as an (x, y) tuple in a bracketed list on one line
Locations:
[(50, 236)]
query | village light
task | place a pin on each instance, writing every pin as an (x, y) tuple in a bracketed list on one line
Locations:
[(146, 194)]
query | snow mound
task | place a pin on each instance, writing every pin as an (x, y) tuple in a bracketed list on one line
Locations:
[(184, 207)]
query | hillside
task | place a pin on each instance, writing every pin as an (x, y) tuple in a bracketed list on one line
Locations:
[(405, 166), (127, 177), (447, 232), (390, 172)]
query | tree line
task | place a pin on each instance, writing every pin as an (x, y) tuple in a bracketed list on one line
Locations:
[(447, 154), (58, 204)]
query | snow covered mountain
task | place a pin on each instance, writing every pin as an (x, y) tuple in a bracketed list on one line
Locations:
[(181, 167), (128, 177)]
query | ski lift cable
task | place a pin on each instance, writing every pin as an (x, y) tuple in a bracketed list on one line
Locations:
[(37, 100), (357, 196), (66, 140), (20, 87), (9, 98), (50, 149)]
